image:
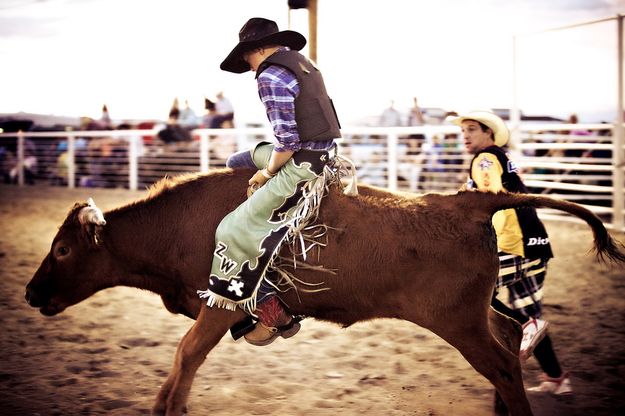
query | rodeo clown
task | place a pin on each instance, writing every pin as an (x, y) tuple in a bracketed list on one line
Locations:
[(305, 125), (524, 248)]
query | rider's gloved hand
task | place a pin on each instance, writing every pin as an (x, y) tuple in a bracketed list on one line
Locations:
[(259, 179)]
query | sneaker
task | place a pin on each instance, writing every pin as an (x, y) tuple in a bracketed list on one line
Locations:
[(534, 331), (558, 386)]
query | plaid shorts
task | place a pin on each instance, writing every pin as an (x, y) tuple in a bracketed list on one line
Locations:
[(523, 278)]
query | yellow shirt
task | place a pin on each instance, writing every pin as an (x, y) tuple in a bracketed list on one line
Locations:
[(486, 172)]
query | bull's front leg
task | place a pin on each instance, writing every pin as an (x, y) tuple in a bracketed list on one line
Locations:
[(206, 332)]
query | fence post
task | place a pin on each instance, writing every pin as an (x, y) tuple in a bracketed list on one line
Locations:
[(204, 162), (392, 161), (20, 158), (71, 162), (515, 112), (133, 162), (618, 160)]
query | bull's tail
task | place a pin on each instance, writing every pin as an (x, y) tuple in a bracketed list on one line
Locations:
[(606, 248)]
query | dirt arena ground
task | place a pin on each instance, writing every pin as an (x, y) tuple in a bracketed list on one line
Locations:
[(109, 354)]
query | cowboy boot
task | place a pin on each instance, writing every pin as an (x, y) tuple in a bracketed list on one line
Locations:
[(273, 322)]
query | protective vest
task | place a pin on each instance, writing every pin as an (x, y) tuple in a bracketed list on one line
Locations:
[(314, 111), (535, 239)]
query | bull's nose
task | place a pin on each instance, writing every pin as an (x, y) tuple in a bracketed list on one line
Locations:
[(31, 297)]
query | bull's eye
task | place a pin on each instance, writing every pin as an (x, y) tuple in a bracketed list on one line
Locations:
[(62, 251)]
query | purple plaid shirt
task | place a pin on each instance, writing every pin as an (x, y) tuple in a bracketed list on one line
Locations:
[(278, 88)]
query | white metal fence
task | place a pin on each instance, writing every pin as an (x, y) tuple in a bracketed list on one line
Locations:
[(573, 162)]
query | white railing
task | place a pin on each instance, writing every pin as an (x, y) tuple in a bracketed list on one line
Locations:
[(573, 162)]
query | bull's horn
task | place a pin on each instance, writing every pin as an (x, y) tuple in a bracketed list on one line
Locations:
[(91, 214)]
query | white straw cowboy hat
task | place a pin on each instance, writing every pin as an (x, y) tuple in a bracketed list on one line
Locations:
[(258, 32), (490, 120)]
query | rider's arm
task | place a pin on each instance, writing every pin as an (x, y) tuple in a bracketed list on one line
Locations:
[(486, 172), (278, 88), (278, 159)]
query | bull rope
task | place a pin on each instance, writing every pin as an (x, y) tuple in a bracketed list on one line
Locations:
[(306, 234)]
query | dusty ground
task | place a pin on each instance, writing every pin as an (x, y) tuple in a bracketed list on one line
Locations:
[(110, 354)]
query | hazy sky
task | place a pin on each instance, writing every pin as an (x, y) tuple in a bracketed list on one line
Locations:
[(68, 57)]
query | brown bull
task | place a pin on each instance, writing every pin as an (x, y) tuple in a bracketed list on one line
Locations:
[(431, 260)]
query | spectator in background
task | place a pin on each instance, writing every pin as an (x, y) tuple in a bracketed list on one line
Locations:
[(223, 111), (568, 152), (138, 142), (105, 157), (210, 112), (173, 131), (221, 145), (415, 118), (432, 150), (8, 153), (565, 137), (6, 163), (59, 176), (105, 119), (602, 155), (188, 118), (390, 116), (29, 165), (573, 119), (576, 132)]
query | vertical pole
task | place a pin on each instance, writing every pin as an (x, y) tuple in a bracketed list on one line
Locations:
[(133, 165), (392, 161), (515, 112), (618, 160), (289, 18), (71, 162), (312, 30), (20, 158)]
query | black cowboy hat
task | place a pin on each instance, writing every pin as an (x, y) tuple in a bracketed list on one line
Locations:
[(258, 32)]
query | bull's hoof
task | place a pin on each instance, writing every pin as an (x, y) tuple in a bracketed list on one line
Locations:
[(161, 411)]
